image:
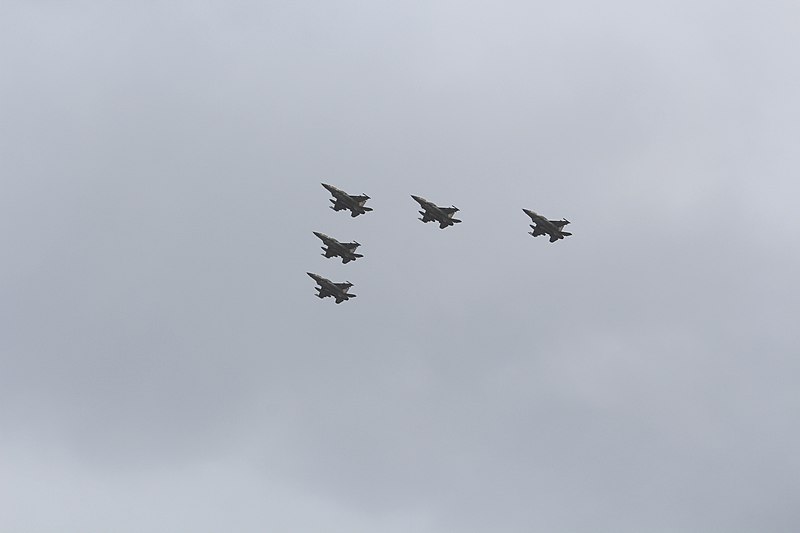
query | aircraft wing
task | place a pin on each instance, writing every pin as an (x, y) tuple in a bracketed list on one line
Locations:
[(350, 245), (339, 205), (559, 223), (538, 231), (449, 210), (343, 286), (360, 199)]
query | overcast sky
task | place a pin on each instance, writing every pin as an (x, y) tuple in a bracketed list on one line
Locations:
[(165, 366)]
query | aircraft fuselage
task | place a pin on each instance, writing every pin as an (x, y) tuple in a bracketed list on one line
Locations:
[(542, 226), (342, 200), (334, 248), (326, 288), (431, 212)]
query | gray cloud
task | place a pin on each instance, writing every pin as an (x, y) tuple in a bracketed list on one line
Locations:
[(163, 362)]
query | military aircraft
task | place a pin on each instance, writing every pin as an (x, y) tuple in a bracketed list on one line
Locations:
[(554, 228), (342, 200), (431, 212), (345, 250), (328, 288)]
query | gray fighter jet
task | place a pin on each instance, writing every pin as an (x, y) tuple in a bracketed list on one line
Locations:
[(431, 212), (345, 250), (328, 288), (554, 228), (342, 200)]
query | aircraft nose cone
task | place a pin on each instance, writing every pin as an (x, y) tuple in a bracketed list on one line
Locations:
[(318, 234)]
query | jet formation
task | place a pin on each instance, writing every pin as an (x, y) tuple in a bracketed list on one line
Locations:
[(430, 213), (541, 226), (334, 248)]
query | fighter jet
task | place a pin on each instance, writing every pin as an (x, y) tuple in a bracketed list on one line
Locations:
[(554, 228), (328, 288), (430, 212), (345, 250), (342, 200)]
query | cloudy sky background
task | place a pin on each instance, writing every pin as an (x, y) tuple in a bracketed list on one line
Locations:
[(165, 366)]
